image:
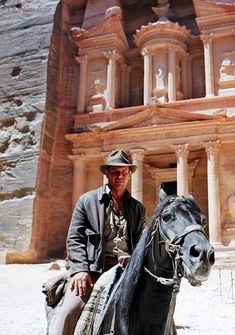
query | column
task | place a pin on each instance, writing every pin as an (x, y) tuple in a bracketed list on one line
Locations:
[(137, 177), (112, 57), (147, 76), (190, 78), (215, 231), (182, 151), (185, 75), (125, 84), (79, 176), (208, 60), (81, 103), (171, 74), (158, 179)]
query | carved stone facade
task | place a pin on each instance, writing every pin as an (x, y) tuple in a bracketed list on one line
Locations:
[(156, 81)]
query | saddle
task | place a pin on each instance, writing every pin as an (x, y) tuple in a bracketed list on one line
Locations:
[(90, 321)]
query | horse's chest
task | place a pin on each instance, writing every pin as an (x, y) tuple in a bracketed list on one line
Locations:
[(154, 309)]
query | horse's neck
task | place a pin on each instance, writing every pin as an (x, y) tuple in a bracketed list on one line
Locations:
[(158, 261)]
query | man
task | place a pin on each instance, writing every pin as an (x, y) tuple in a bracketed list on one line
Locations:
[(105, 228)]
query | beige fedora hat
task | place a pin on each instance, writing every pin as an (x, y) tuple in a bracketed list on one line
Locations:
[(118, 158)]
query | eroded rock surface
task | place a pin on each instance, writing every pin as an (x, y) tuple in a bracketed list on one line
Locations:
[(25, 38)]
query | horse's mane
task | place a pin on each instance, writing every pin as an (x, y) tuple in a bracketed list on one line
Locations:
[(128, 290), (127, 294)]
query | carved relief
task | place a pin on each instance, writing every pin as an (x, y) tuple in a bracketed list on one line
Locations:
[(227, 74), (96, 102), (159, 78), (98, 87), (227, 69), (160, 90)]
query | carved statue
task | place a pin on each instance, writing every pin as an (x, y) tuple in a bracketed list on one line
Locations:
[(113, 11), (227, 69), (159, 79), (97, 86)]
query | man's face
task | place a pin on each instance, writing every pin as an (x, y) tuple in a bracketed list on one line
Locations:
[(118, 177)]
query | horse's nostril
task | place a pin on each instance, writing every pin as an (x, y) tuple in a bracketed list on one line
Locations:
[(195, 251), (211, 256)]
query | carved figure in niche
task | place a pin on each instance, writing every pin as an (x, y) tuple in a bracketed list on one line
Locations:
[(96, 103), (227, 69), (159, 79), (97, 87)]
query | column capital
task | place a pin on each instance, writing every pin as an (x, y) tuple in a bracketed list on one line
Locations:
[(212, 147), (172, 48), (181, 150), (82, 59), (138, 154), (76, 157), (112, 55), (207, 39), (146, 52)]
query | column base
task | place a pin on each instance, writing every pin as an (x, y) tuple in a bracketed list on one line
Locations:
[(21, 257), (218, 246), (225, 258), (210, 95)]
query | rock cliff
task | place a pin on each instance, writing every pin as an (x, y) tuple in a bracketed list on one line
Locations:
[(25, 39)]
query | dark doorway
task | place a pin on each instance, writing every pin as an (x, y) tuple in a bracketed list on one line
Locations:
[(170, 187)]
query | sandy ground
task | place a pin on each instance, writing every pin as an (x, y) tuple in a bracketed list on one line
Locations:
[(205, 310)]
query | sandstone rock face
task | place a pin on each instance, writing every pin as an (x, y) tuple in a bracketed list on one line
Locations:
[(121, 73), (25, 38)]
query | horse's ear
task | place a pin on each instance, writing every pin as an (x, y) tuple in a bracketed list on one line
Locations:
[(161, 193), (189, 197)]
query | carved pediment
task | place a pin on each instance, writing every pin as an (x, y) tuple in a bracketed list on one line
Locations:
[(208, 7), (152, 116)]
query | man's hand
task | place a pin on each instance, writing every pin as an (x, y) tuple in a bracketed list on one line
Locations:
[(80, 282), (123, 260)]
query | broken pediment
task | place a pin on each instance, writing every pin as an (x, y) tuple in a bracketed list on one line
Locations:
[(111, 26)]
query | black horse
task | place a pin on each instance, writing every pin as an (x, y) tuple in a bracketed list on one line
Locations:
[(174, 245)]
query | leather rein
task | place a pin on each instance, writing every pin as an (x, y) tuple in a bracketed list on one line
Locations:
[(172, 247)]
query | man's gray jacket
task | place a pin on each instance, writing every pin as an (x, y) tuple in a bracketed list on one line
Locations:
[(86, 241)]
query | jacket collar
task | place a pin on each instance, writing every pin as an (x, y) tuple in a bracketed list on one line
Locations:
[(104, 193)]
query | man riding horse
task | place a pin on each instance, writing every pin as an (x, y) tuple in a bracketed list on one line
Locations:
[(104, 230)]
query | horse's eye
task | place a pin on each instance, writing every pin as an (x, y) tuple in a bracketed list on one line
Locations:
[(203, 221), (166, 217)]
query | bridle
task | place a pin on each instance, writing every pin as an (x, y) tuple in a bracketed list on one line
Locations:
[(172, 247)]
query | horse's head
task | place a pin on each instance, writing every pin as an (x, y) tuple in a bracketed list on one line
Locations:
[(181, 228)]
